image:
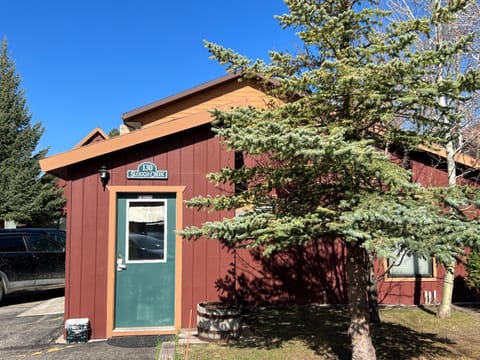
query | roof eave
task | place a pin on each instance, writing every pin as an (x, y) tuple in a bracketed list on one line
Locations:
[(170, 99), (56, 164)]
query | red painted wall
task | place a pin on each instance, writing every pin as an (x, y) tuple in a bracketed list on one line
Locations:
[(210, 271), (188, 157)]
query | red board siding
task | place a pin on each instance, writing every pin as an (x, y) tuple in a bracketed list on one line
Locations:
[(186, 178), (86, 253), (210, 271), (88, 249), (187, 157), (428, 175)]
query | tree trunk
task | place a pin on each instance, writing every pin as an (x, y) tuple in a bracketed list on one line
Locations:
[(359, 330), (445, 308), (372, 291)]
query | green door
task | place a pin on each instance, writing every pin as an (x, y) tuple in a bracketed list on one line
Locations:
[(145, 265)]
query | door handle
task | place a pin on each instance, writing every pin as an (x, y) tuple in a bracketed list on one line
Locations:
[(120, 264)]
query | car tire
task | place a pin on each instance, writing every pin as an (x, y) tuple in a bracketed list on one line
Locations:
[(2, 290)]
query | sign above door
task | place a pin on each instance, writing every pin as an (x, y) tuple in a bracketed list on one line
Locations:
[(147, 170)]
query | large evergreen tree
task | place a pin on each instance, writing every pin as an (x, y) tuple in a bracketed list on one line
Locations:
[(317, 165), (23, 192)]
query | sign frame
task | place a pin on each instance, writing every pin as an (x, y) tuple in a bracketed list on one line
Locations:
[(147, 170)]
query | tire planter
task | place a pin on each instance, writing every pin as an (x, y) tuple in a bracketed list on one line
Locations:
[(217, 321)]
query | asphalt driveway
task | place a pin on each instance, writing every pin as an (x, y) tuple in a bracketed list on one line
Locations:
[(32, 323)]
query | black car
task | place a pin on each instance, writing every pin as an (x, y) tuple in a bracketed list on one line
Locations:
[(30, 260), (56, 234)]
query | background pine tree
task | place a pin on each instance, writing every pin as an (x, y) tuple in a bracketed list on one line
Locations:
[(26, 197)]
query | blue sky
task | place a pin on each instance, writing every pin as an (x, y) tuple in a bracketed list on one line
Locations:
[(85, 63)]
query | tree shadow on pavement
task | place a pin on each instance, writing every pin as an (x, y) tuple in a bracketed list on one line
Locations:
[(31, 296)]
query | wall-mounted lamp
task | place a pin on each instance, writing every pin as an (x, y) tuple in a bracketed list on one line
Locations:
[(104, 176)]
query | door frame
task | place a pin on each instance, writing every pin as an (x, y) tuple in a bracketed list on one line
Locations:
[(111, 256)]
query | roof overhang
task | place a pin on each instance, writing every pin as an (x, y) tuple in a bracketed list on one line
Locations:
[(460, 158), (57, 163), (131, 115)]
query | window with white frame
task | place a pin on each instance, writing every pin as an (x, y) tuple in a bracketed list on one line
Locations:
[(405, 266)]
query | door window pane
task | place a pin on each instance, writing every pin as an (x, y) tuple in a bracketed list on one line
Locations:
[(146, 230)]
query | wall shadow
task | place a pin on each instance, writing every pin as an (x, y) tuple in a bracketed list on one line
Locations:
[(298, 275), (312, 274)]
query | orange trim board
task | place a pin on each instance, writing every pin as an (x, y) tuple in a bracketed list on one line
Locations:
[(121, 142), (112, 220), (460, 158), (166, 128)]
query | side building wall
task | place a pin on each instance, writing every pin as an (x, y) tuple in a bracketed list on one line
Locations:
[(188, 157), (300, 275)]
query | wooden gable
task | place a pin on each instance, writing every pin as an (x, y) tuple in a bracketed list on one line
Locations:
[(223, 93), (93, 136), (168, 116)]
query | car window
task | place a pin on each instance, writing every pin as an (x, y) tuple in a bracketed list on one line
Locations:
[(58, 236), (41, 242), (12, 243)]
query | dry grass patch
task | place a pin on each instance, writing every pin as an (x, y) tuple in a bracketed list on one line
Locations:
[(306, 333), (426, 336)]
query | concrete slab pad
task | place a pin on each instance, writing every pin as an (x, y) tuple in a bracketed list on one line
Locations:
[(49, 307)]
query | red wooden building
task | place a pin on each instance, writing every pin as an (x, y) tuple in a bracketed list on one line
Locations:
[(127, 270)]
